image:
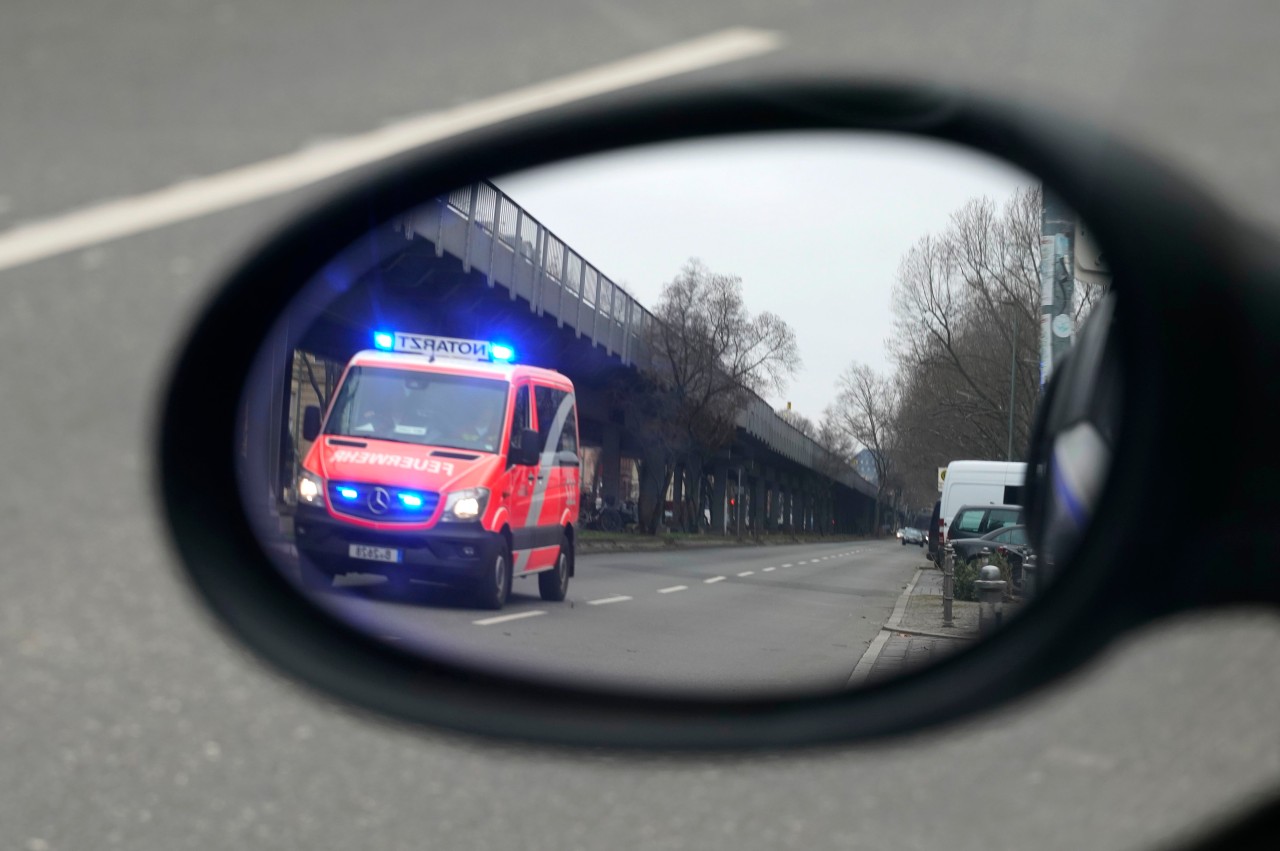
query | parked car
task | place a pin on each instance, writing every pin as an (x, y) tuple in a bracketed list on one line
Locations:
[(1012, 542), (974, 521)]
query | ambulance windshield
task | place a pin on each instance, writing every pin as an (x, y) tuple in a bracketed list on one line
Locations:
[(431, 409)]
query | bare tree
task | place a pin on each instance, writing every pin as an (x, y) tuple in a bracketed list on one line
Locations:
[(708, 355), (967, 314), (967, 344), (866, 411)]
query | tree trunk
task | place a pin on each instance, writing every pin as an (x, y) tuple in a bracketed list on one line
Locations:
[(653, 486)]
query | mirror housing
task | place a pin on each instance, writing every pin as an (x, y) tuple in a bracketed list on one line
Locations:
[(1162, 238), (311, 423), (526, 454)]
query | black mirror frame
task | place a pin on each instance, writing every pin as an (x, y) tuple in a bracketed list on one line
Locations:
[(1161, 235)]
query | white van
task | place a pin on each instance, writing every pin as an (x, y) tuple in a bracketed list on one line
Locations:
[(979, 483)]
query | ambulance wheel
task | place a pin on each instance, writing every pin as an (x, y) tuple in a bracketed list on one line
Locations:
[(553, 585), (495, 586)]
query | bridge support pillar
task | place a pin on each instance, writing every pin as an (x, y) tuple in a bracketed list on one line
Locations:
[(719, 498), (757, 506), (611, 464)]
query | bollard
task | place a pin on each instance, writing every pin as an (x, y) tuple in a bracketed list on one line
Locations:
[(991, 590), (948, 583), (1030, 576)]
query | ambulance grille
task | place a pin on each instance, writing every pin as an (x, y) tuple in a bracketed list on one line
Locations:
[(369, 497)]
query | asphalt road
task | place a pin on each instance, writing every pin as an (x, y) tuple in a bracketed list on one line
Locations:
[(128, 721), (708, 622)]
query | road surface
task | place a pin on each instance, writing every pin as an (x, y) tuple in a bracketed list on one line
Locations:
[(722, 622)]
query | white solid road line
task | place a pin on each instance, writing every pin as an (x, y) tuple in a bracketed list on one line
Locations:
[(204, 195), (713, 580), (604, 601), (504, 618), (673, 589), (746, 573)]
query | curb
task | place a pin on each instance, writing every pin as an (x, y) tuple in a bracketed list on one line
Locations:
[(868, 660), (957, 637)]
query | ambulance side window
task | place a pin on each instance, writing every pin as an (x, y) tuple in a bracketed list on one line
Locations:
[(520, 414), (544, 399), (569, 437), (549, 401)]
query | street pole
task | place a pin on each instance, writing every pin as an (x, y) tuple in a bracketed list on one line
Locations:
[(1013, 373), (1057, 281)]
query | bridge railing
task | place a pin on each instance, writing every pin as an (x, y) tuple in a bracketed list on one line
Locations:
[(488, 231)]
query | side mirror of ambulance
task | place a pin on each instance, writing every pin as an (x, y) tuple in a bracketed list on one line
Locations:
[(311, 422), (536, 279), (525, 452)]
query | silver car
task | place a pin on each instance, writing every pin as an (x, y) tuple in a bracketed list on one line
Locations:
[(911, 535)]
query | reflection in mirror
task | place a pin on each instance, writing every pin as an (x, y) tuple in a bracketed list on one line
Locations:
[(723, 418)]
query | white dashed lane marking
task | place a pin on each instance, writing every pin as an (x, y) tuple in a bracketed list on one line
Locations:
[(190, 199), (768, 569), (504, 618), (604, 601), (713, 580), (673, 589), (747, 573)]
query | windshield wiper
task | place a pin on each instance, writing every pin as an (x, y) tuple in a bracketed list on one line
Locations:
[(371, 436)]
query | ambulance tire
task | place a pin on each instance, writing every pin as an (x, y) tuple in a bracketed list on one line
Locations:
[(493, 589), (553, 585)]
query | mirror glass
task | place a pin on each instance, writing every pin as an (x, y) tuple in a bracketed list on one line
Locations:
[(724, 418)]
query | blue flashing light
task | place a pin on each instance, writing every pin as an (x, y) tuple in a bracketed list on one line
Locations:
[(384, 340), (348, 493), (502, 352), (410, 500)]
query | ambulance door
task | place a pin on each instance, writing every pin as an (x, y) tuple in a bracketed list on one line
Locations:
[(521, 479), (558, 460)]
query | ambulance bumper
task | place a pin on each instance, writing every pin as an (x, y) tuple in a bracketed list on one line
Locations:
[(448, 553)]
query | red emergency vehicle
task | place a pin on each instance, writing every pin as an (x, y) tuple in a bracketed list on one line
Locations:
[(438, 461)]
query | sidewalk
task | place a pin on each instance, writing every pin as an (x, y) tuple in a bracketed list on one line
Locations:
[(916, 636)]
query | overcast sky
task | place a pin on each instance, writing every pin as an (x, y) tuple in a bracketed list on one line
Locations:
[(814, 224)]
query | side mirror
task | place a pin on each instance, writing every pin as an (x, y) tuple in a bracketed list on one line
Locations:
[(1098, 475), (311, 423), (526, 454)]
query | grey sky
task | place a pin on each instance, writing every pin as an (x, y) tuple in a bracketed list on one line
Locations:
[(814, 224)]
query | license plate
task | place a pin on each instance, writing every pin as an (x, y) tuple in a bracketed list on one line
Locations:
[(368, 553)]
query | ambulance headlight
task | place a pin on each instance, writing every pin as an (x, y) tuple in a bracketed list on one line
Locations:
[(311, 489), (466, 505)]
